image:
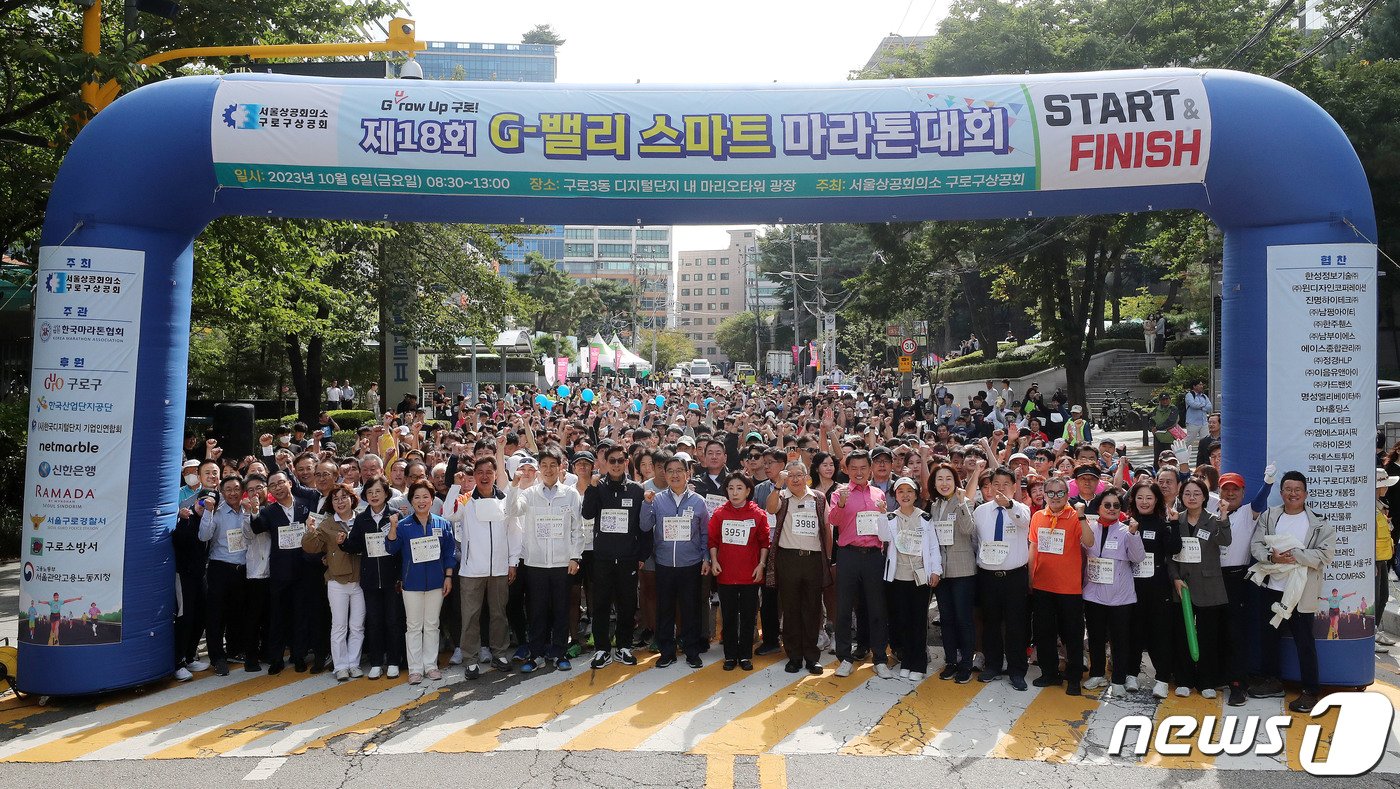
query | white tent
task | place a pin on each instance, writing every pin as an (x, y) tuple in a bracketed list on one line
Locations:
[(605, 354), (629, 359)]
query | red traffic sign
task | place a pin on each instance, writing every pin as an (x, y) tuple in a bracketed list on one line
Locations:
[(907, 345)]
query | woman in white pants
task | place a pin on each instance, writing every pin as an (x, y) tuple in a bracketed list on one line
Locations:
[(428, 550), (343, 590)]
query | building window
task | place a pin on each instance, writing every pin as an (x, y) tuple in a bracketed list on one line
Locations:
[(724, 291), (711, 261), (711, 306), (614, 250), (578, 250), (651, 235), (724, 261), (685, 278), (724, 275), (579, 233), (615, 234), (713, 351), (726, 306), (685, 291), (713, 321), (710, 292)]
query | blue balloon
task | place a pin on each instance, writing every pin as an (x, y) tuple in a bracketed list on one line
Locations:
[(564, 390), (548, 404), (588, 395), (637, 405), (540, 399), (660, 401)]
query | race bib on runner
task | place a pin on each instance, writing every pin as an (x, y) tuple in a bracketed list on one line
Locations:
[(735, 532), (868, 524), (804, 525), (1050, 541), (1203, 534), (676, 528), (612, 521), (235, 538), (714, 502), (1149, 535), (1145, 568), (425, 549), (374, 545), (993, 552), (548, 526), (1100, 570), (289, 537), (909, 542), (1110, 545), (944, 530), (1190, 551)]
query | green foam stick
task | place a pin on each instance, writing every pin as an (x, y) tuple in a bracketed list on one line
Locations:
[(1189, 615)]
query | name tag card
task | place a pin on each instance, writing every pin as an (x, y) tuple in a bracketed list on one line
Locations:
[(909, 542), (1050, 541), (1110, 544), (735, 532), (374, 545), (235, 538), (868, 524), (1100, 570), (612, 521), (425, 549), (676, 528), (714, 502), (289, 537)]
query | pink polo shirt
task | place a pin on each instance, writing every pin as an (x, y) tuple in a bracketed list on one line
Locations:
[(862, 498)]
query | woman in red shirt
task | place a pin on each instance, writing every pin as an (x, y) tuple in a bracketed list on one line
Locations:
[(738, 552)]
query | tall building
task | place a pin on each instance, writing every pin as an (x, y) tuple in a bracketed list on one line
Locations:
[(637, 256), (713, 284), (484, 62)]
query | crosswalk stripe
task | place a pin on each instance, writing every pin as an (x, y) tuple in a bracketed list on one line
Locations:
[(630, 727), (1050, 728), (538, 708), (719, 772), (915, 720), (686, 730), (772, 771), (468, 703), (1098, 733), (229, 737), (764, 725), (1293, 736), (94, 731), (1194, 706), (977, 728), (383, 720), (854, 715)]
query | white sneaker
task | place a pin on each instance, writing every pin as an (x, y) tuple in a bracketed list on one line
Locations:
[(904, 673), (485, 655), (1094, 682), (1208, 693), (392, 672), (883, 672), (916, 676), (1183, 691), (342, 675), (456, 658), (1131, 685), (183, 674), (823, 641), (1159, 689), (1116, 691), (374, 672), (355, 672), (197, 665), (844, 670)]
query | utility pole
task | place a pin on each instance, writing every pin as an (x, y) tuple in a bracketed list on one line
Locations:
[(796, 308)]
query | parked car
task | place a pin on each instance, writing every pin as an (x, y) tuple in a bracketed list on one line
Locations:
[(1387, 402)]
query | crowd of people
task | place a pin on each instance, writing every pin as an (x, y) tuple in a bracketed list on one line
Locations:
[(528, 530)]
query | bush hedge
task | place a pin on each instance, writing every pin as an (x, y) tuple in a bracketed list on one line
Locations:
[(996, 371), (1194, 345), (1154, 375), (1123, 331), (347, 419)]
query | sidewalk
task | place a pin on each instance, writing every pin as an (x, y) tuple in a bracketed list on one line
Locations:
[(9, 601)]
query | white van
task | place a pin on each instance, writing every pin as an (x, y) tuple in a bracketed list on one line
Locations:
[(700, 370)]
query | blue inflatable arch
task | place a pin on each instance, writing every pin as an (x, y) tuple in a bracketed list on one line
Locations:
[(145, 177)]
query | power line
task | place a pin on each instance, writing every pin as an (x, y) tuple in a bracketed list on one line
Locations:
[(904, 17), (1259, 34), (1328, 39), (920, 29)]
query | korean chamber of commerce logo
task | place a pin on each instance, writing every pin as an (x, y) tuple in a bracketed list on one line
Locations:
[(1356, 746), (242, 116), (56, 282)]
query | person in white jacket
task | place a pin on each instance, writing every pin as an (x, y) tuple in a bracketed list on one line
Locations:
[(546, 522), (913, 566), (488, 551)]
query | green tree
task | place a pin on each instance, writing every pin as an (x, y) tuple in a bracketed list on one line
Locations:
[(41, 56), (672, 348), (735, 336), (542, 34)]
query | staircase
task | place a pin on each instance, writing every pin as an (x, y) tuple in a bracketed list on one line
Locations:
[(1122, 374)]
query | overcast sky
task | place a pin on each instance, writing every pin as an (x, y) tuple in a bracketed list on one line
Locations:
[(621, 42)]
